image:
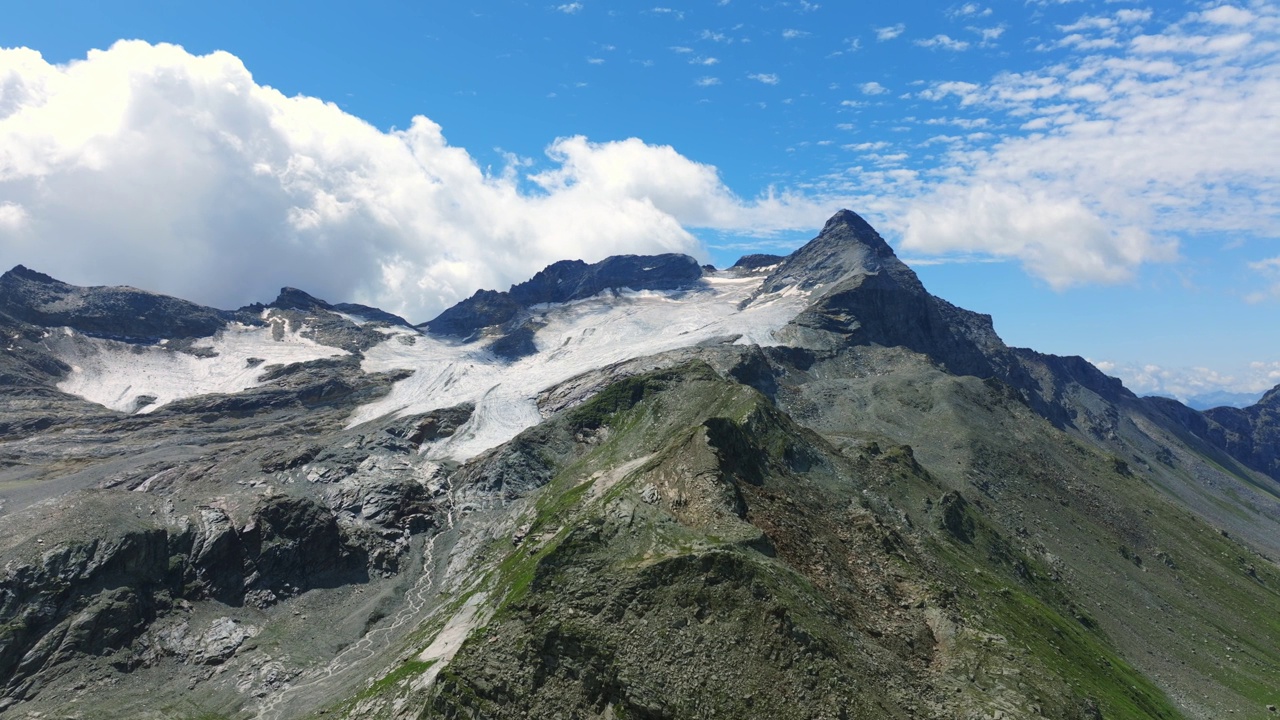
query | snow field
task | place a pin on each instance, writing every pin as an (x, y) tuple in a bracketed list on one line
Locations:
[(116, 374), (576, 337)]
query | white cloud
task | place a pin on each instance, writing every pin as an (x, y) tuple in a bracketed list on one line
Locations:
[(1133, 16), (1194, 44), (872, 88), (1058, 239), (703, 61), (681, 49), (943, 41), (570, 8), (867, 146), (595, 61), (148, 166), (1123, 154), (1090, 22), (989, 34), (766, 78), (890, 32), (969, 10), (1185, 383), (12, 217), (1269, 269), (707, 81), (793, 34), (1084, 42), (1228, 15), (967, 92)]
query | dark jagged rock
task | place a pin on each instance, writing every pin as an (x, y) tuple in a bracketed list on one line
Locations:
[(295, 299), (370, 313), (1252, 434), (846, 248), (121, 313), (757, 261), (323, 321), (865, 295), (565, 281)]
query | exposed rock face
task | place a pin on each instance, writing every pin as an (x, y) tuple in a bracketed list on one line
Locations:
[(96, 597), (327, 323), (1250, 435), (122, 313), (565, 281), (865, 294), (890, 514), (757, 261)]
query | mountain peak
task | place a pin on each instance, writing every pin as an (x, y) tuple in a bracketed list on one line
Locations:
[(123, 313), (565, 281), (847, 225), (848, 247), (22, 272), (291, 298)]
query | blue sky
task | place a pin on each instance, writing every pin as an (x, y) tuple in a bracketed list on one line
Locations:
[(1100, 177)]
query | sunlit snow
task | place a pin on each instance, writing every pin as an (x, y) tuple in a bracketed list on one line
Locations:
[(577, 337), (116, 374)]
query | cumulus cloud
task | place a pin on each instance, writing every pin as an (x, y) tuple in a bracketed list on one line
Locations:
[(1058, 239), (146, 165), (766, 78), (873, 88)]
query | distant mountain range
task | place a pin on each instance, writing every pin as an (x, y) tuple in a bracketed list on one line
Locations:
[(802, 486), (1221, 398)]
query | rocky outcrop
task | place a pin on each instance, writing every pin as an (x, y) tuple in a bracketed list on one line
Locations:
[(865, 295), (95, 597), (1251, 435), (757, 261), (565, 281), (120, 313)]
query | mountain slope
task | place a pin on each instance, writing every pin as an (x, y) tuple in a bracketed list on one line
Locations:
[(800, 487)]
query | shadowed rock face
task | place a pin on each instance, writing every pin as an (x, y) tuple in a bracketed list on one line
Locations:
[(758, 260), (565, 281), (123, 313), (866, 295), (1251, 434)]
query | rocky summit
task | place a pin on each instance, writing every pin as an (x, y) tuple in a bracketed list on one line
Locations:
[(801, 487)]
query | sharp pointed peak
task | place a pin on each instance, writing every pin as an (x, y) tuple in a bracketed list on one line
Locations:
[(849, 225)]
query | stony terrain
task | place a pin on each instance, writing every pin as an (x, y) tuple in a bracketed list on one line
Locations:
[(875, 509)]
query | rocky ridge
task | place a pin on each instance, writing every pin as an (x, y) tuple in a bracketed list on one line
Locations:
[(888, 513)]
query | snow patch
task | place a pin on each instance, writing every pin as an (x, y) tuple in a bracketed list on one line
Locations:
[(449, 641), (124, 377), (575, 337)]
